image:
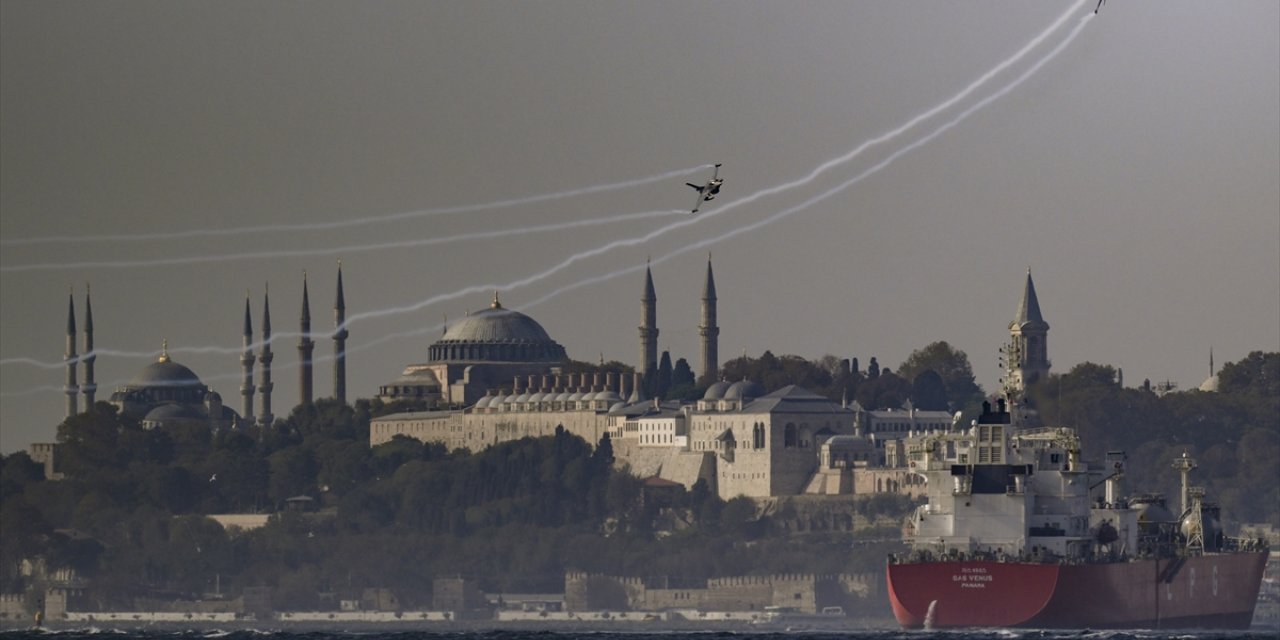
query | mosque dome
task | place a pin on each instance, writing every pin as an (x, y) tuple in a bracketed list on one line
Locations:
[(171, 411), (716, 390), (743, 390), (497, 334), (165, 373)]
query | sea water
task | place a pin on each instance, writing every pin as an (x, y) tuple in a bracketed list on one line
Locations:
[(103, 633)]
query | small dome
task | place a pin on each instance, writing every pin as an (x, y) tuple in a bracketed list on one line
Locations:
[(537, 397), (171, 411), (743, 390), (563, 397), (213, 396), (716, 390), (576, 396), (524, 397), (617, 408), (417, 377), (484, 402), (609, 396)]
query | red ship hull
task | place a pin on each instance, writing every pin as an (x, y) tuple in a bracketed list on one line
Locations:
[(1213, 591)]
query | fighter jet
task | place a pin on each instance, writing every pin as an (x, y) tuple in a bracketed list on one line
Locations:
[(708, 191), (1100, 3)]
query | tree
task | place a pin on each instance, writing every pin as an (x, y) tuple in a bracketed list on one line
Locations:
[(952, 365), (928, 393), (886, 391), (1258, 374), (662, 378), (873, 369), (682, 374)]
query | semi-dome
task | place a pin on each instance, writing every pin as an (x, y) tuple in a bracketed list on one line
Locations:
[(497, 334), (171, 411)]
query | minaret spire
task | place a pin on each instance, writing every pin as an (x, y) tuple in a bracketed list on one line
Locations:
[(340, 342), (90, 388), (1027, 354), (305, 347), (246, 361), (708, 330), (648, 327), (265, 418), (71, 358)]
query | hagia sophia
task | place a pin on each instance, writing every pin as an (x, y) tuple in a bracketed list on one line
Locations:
[(496, 375)]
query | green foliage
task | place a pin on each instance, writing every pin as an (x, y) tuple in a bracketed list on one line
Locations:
[(1257, 375), (1234, 433), (952, 366)]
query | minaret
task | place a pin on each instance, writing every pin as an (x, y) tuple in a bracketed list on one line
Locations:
[(265, 418), (648, 327), (340, 343), (90, 388), (246, 361), (71, 389), (708, 330), (305, 348), (1028, 351)]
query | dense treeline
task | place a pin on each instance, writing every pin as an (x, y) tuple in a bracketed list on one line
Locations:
[(128, 515), (1233, 433)]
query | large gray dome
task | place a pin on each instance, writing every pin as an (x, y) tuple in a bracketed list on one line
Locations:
[(165, 373), (496, 324), (497, 334)]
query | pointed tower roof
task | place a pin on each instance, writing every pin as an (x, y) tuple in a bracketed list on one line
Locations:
[(306, 303), (1029, 310), (709, 288), (341, 303), (649, 293), (71, 312), (88, 314), (266, 312), (248, 322)]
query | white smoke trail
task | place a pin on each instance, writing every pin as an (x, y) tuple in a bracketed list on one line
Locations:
[(354, 222), (739, 230), (342, 250), (1033, 43), (516, 284)]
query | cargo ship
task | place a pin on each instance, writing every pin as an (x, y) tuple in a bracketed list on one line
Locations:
[(1020, 531), (1016, 533)]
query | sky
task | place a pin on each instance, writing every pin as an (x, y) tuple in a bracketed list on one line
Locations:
[(176, 156)]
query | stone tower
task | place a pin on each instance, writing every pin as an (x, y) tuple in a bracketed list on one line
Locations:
[(90, 388), (246, 362), (340, 343), (708, 330), (265, 418), (648, 327), (71, 358), (305, 347), (1027, 354)]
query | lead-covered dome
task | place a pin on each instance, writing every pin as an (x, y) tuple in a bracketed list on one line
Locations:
[(497, 334), (165, 373)]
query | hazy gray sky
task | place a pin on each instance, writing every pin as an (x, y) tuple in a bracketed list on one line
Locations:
[(1137, 174)]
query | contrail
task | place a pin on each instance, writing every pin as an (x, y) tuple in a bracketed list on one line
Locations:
[(738, 230), (341, 224), (838, 188), (343, 250)]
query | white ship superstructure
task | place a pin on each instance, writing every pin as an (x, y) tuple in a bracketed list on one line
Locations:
[(1000, 490)]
